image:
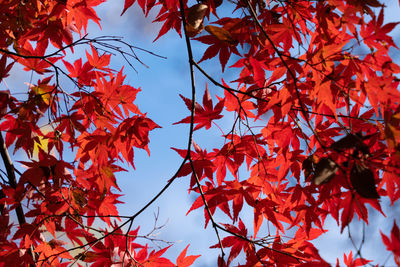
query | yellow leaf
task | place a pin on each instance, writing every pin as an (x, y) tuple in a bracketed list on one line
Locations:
[(42, 144), (44, 92)]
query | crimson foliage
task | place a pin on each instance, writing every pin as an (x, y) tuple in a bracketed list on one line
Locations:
[(329, 143)]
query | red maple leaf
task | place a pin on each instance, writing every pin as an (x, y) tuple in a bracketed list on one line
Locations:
[(237, 244), (393, 244), (350, 262), (203, 116), (183, 260)]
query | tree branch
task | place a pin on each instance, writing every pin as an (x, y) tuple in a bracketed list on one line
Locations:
[(11, 177), (13, 183)]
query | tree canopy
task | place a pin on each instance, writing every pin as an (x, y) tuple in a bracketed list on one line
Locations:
[(311, 130)]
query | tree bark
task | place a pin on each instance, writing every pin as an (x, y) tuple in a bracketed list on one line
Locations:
[(13, 183), (11, 177)]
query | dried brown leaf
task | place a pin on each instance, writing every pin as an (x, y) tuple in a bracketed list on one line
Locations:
[(308, 166), (195, 19), (362, 180), (221, 34), (325, 170)]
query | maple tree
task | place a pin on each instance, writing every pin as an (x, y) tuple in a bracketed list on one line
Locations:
[(318, 76)]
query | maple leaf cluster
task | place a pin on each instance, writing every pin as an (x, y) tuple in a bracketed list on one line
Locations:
[(96, 120), (314, 132)]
